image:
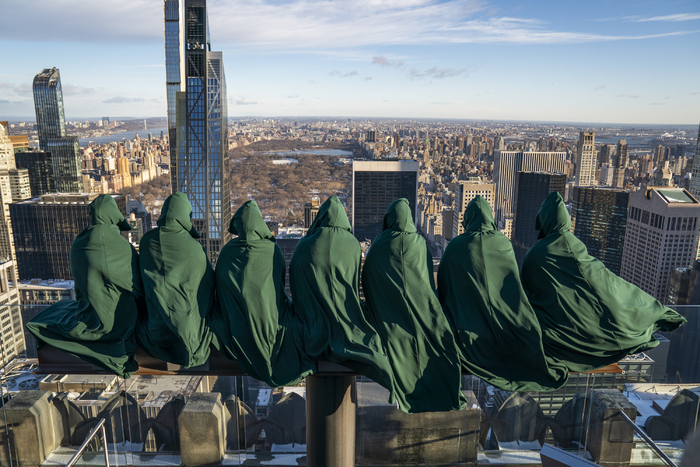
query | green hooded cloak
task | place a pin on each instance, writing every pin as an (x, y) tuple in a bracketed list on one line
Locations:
[(256, 325), (179, 284), (590, 318), (397, 278), (480, 290), (98, 327), (325, 282)]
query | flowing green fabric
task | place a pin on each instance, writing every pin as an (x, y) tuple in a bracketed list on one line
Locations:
[(98, 327), (590, 317), (497, 331), (325, 282), (397, 278), (256, 325), (180, 287)]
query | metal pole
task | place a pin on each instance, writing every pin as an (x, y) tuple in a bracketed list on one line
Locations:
[(100, 426), (648, 440), (104, 444), (331, 403)]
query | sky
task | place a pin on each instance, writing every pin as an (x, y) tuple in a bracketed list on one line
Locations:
[(607, 61)]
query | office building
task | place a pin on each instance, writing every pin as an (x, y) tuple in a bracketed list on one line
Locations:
[(7, 163), (599, 220), (48, 105), (620, 164), (40, 170), (508, 163), (662, 228), (19, 185), (585, 159), (11, 333), (44, 230), (136, 207), (66, 164), (465, 192), (201, 160), (531, 189), (311, 210), (684, 285), (377, 184)]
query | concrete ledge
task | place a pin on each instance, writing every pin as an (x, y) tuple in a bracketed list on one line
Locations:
[(610, 439), (202, 425)]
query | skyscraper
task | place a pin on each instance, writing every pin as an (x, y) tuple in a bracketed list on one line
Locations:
[(51, 126), (40, 169), (585, 159), (467, 191), (48, 105), (375, 185), (198, 121), (508, 163), (662, 227), (620, 164), (599, 218), (531, 189)]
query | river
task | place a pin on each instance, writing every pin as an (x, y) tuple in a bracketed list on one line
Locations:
[(124, 135)]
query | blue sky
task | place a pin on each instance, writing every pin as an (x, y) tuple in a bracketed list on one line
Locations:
[(616, 61)]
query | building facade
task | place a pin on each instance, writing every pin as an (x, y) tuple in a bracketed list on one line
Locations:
[(66, 164), (662, 228), (48, 105), (201, 123), (531, 189), (19, 185), (586, 159), (599, 220), (377, 184), (40, 170), (174, 70), (467, 191), (11, 332), (508, 163), (44, 230)]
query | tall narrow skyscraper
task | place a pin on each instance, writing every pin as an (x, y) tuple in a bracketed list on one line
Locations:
[(198, 127), (586, 159), (51, 127), (48, 105), (620, 164)]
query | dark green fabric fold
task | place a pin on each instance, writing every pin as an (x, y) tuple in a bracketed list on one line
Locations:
[(325, 282), (497, 331), (180, 288), (590, 317), (255, 324), (98, 327), (397, 279)]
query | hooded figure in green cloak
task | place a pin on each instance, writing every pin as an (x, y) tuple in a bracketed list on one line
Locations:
[(256, 325), (180, 288), (397, 278), (590, 317), (497, 331), (325, 282), (98, 327)]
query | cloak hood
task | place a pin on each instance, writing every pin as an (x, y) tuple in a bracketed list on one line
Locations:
[(553, 216), (478, 215), (398, 217), (177, 211), (331, 214), (104, 210), (248, 223)]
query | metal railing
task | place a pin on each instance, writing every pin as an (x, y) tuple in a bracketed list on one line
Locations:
[(648, 440), (101, 427)]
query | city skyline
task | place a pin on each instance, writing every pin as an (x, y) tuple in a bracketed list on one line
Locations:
[(420, 59)]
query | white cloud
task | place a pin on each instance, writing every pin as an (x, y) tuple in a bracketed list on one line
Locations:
[(243, 102), (339, 74), (123, 100), (628, 96), (675, 18)]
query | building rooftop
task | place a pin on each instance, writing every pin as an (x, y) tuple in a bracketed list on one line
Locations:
[(676, 196)]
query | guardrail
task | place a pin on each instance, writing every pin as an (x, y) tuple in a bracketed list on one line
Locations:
[(648, 440), (99, 427)]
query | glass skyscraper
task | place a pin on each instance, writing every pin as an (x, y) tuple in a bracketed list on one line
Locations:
[(51, 126), (198, 121), (48, 104)]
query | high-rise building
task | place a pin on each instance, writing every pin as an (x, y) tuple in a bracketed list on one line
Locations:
[(7, 163), (465, 192), (66, 164), (19, 185), (599, 220), (200, 134), (40, 169), (662, 227), (311, 210), (124, 170), (11, 334), (605, 155), (531, 189), (48, 105), (44, 230), (377, 184), (585, 159), (620, 164), (508, 163)]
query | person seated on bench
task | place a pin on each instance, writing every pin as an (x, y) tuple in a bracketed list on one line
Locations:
[(397, 278), (497, 331), (180, 288), (98, 326), (590, 317), (255, 324)]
